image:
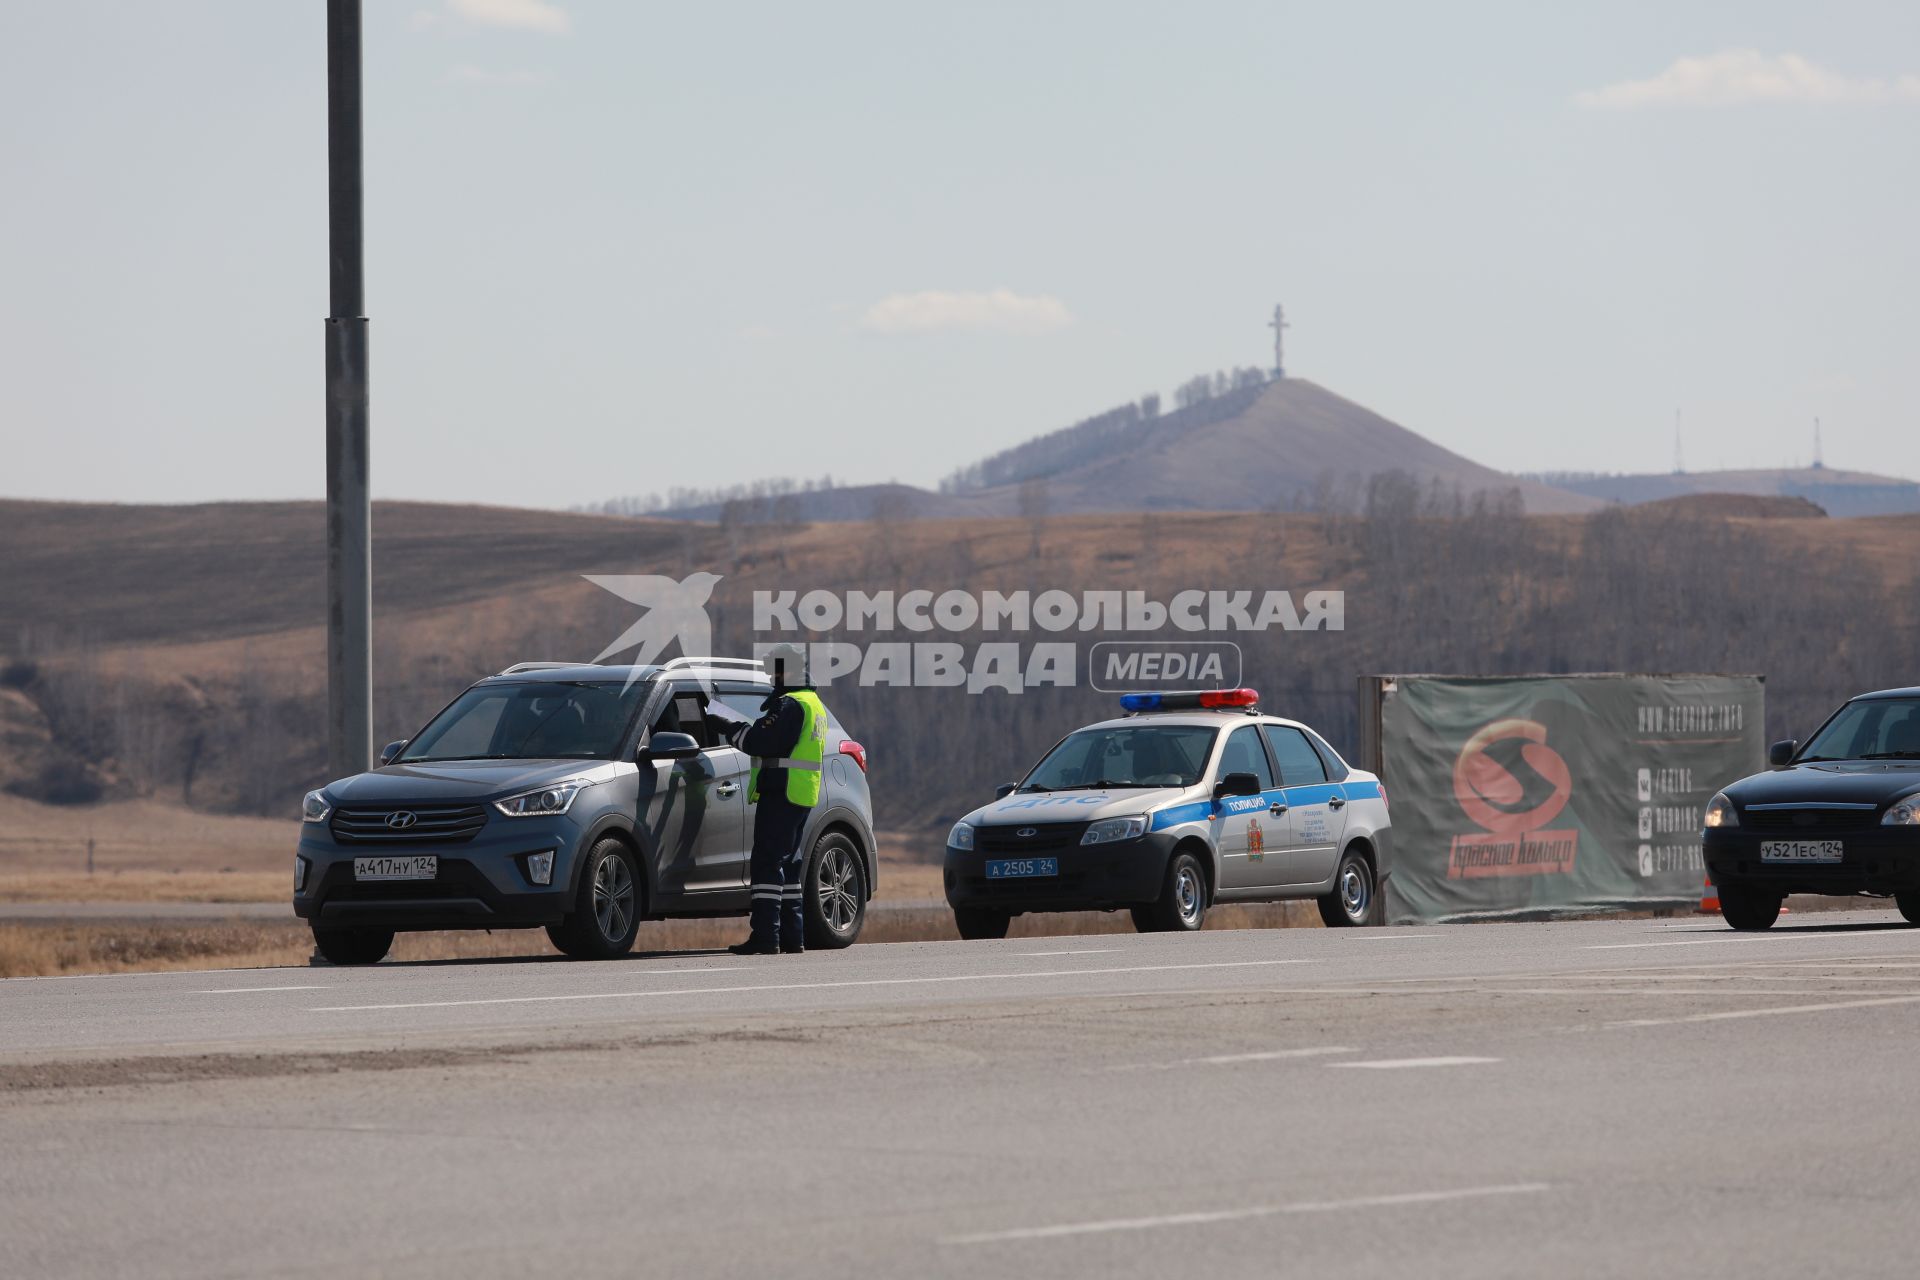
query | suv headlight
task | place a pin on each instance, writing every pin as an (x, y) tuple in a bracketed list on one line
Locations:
[(1904, 814), (1720, 812), (1108, 830), (545, 802), (961, 837), (315, 807)]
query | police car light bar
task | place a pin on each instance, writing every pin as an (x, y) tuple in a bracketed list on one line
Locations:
[(1196, 700)]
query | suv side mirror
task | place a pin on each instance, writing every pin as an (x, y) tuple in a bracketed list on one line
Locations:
[(392, 749), (670, 746), (1237, 784), (1781, 753), (1004, 790)]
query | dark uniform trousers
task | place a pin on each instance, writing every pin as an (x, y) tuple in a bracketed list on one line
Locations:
[(778, 869)]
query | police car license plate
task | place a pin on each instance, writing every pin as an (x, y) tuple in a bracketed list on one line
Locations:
[(1801, 851), (414, 867), (1016, 868)]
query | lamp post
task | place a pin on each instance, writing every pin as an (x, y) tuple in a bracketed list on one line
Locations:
[(349, 511)]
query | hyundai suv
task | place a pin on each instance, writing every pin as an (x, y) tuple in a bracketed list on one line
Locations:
[(581, 798)]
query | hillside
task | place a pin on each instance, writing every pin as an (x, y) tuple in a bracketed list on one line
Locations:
[(196, 676), (1838, 493), (1282, 445)]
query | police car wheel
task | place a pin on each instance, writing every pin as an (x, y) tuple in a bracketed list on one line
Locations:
[(1749, 909), (1182, 907), (979, 924), (1909, 904), (1354, 897), (606, 912), (836, 897)]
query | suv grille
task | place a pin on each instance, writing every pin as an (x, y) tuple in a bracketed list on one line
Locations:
[(1793, 821), (1046, 835), (435, 823)]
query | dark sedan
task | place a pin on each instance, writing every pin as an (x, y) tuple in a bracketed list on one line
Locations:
[(1839, 815)]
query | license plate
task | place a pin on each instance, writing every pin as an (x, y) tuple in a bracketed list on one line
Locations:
[(413, 867), (1800, 851), (1016, 868)]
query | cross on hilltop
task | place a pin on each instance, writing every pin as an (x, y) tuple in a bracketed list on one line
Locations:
[(1279, 326)]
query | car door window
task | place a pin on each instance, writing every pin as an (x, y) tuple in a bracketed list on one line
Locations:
[(1300, 764), (685, 712), (1243, 754)]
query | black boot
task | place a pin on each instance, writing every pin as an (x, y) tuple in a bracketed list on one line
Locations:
[(755, 947), (793, 948)]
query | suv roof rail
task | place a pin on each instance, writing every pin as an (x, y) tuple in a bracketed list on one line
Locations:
[(752, 664), (518, 667)]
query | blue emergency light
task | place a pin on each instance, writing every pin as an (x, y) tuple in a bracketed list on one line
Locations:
[(1193, 700)]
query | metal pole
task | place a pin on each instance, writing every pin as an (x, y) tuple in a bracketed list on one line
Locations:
[(349, 512)]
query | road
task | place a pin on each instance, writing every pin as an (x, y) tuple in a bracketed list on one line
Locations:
[(1609, 1098)]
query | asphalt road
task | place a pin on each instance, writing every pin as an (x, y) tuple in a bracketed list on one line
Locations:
[(1594, 1099)]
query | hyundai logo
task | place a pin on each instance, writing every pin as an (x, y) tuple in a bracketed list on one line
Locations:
[(1027, 833), (402, 820)]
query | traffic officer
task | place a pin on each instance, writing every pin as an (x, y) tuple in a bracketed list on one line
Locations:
[(788, 745)]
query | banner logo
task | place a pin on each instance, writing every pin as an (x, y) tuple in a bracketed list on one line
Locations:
[(1511, 783)]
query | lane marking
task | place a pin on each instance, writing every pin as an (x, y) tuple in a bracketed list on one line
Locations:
[(807, 986), (1774, 1011), (1232, 1059), (1101, 951), (1396, 1064), (240, 991), (1701, 942), (1257, 1211), (1408, 936)]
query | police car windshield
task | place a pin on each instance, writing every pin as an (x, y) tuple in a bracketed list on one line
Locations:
[(1144, 755), (542, 720)]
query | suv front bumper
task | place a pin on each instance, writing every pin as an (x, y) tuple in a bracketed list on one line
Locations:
[(480, 883)]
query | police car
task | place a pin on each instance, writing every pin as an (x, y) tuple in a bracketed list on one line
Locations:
[(1187, 800)]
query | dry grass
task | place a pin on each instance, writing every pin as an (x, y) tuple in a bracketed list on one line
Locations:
[(36, 949), (147, 886), (140, 835)]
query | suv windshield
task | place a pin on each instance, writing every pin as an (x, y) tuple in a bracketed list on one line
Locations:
[(1166, 755), (538, 720), (1871, 729)]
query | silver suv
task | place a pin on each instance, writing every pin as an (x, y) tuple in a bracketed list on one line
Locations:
[(581, 798)]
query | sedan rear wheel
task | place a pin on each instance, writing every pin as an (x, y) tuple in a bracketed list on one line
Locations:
[(1355, 896)]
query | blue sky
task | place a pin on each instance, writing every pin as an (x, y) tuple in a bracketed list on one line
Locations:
[(702, 244)]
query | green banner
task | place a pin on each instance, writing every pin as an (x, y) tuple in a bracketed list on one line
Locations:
[(1557, 794)]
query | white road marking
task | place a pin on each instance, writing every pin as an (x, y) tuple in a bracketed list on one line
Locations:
[(1100, 951), (806, 986), (240, 991), (1403, 935), (1256, 1211), (1774, 1011), (1232, 1059), (1395, 1064)]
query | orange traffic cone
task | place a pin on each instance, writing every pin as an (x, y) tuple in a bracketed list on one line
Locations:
[(1709, 897)]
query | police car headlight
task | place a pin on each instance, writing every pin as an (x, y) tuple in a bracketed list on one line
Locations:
[(1108, 830), (961, 837), (546, 802), (1720, 812), (1904, 814)]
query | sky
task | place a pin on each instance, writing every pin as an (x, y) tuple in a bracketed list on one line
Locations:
[(616, 247)]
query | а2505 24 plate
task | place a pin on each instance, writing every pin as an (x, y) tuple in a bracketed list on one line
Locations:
[(1020, 868)]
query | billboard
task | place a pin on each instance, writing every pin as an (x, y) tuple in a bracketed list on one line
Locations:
[(1556, 794)]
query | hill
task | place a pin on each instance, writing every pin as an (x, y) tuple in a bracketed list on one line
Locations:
[(1260, 445), (1838, 493)]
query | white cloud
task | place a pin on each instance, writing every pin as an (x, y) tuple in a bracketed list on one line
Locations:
[(484, 75), (527, 15), (1735, 76), (997, 311)]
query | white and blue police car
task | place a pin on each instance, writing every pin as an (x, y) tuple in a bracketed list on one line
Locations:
[(1187, 800)]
